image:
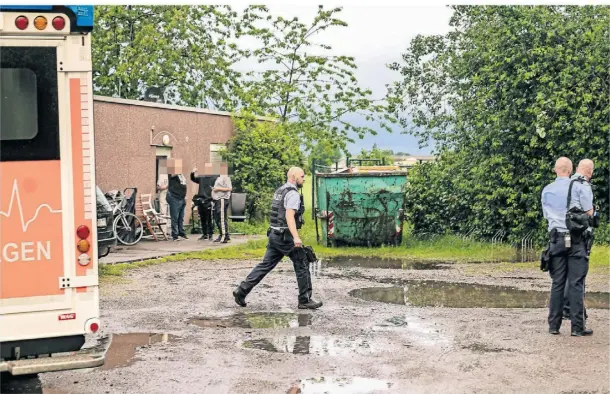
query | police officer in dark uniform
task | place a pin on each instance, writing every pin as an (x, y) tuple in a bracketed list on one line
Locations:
[(286, 218), (567, 204)]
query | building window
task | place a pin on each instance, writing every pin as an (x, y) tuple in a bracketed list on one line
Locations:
[(215, 153)]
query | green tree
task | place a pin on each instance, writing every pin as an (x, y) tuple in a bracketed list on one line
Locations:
[(504, 93), (188, 52), (261, 152), (324, 153), (385, 155), (303, 81)]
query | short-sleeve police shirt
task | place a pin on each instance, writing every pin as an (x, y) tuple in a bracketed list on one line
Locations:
[(554, 200), (582, 194), (292, 200)]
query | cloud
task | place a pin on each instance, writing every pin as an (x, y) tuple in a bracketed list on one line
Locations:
[(375, 36)]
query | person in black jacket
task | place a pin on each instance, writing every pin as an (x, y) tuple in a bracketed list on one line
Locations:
[(203, 200), (176, 198)]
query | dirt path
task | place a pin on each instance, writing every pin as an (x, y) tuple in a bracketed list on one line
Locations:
[(398, 348)]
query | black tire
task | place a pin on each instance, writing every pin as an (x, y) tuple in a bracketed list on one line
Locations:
[(128, 229), (101, 254)]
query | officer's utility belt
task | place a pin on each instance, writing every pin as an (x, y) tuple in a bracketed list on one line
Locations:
[(276, 230), (555, 235), (569, 238)]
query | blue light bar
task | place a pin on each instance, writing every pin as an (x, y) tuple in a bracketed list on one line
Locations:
[(83, 14)]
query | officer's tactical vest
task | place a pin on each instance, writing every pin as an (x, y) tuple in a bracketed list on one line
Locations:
[(278, 212)]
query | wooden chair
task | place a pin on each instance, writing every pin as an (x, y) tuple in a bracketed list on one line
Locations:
[(152, 219)]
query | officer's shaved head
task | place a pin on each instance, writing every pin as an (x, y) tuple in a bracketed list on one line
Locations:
[(585, 167), (296, 175), (563, 167)]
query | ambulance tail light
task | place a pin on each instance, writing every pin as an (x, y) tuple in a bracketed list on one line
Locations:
[(58, 23), (83, 232), (22, 22), (83, 245), (40, 22), (92, 325)]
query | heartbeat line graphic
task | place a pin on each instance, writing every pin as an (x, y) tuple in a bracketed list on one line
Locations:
[(15, 197)]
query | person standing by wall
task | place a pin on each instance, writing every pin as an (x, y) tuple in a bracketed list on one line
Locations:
[(162, 185), (203, 200), (221, 193), (176, 195)]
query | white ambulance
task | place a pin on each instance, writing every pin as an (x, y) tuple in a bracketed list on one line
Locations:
[(49, 296)]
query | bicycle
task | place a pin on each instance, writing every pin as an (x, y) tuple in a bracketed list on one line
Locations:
[(127, 227)]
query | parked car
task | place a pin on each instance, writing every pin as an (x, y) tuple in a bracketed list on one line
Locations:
[(106, 238)]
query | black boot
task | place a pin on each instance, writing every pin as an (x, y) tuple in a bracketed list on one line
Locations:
[(585, 332), (311, 304), (240, 298)]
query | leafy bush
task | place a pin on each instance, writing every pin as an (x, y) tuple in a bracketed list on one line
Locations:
[(260, 153)]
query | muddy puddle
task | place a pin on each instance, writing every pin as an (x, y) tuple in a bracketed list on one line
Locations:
[(329, 384), (255, 320), (416, 332), (29, 384), (123, 348), (373, 262), (466, 295), (316, 345)]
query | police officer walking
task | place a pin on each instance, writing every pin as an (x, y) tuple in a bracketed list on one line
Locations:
[(286, 218), (568, 248)]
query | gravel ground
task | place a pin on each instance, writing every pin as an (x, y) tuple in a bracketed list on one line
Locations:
[(349, 345)]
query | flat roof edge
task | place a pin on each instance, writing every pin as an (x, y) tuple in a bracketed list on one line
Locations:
[(140, 103)]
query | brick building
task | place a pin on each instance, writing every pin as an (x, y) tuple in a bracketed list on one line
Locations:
[(132, 136)]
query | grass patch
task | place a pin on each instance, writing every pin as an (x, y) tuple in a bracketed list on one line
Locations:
[(250, 250), (110, 270), (599, 261), (447, 248), (249, 228)]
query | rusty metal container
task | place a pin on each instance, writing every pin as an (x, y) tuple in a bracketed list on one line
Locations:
[(360, 207)]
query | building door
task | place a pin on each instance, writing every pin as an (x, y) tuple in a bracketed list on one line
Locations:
[(163, 153)]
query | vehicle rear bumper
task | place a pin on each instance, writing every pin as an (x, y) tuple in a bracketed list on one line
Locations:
[(84, 358), (107, 241)]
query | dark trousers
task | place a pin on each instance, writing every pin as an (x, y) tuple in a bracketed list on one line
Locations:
[(176, 213), (277, 248), (204, 207), (568, 265), (220, 216), (566, 300)]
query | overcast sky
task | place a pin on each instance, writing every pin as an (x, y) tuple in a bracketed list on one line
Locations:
[(375, 36)]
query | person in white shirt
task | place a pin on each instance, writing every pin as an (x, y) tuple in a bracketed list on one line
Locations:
[(221, 193)]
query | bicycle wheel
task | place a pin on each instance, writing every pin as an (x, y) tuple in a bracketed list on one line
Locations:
[(128, 228)]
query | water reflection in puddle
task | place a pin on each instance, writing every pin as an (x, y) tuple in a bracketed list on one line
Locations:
[(415, 331), (466, 295), (255, 320), (122, 350), (29, 384), (339, 385), (374, 262), (316, 345)]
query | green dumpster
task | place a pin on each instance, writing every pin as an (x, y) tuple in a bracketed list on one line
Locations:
[(364, 208)]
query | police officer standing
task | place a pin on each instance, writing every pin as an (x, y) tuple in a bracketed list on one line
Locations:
[(568, 250), (286, 217)]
